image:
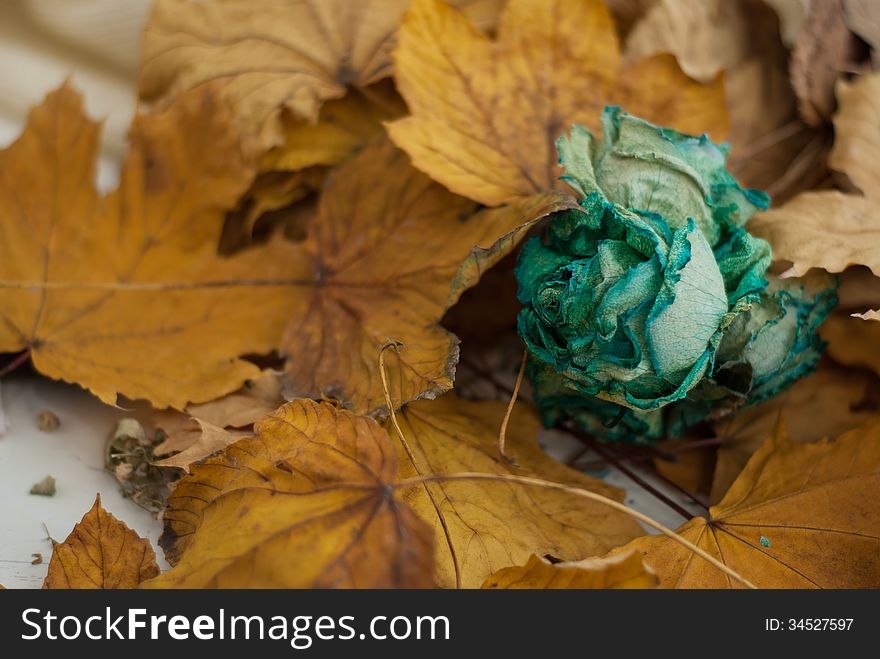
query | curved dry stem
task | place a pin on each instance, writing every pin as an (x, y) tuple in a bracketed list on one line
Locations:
[(412, 458), (502, 433), (538, 482)]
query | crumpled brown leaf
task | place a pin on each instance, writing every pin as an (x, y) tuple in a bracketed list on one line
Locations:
[(101, 552), (771, 148), (304, 504), (485, 114), (493, 524), (824, 49), (801, 515), (90, 285), (270, 56), (863, 18), (623, 571), (832, 229), (205, 439)]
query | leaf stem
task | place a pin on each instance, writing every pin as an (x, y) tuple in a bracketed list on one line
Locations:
[(412, 458), (502, 433)]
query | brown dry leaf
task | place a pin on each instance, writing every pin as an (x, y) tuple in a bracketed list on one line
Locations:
[(257, 399), (89, 285), (267, 55), (801, 515), (771, 148), (343, 126), (205, 428), (270, 56), (706, 36), (304, 504), (832, 229), (823, 405), (853, 342), (390, 252), (825, 48), (623, 571), (792, 16), (207, 439), (485, 115), (493, 524), (101, 552), (863, 18)]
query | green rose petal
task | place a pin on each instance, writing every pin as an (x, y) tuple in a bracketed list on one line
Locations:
[(649, 308)]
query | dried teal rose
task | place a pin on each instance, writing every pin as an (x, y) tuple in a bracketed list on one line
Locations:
[(649, 309)]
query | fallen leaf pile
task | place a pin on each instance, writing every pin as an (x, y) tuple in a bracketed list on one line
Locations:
[(317, 192)]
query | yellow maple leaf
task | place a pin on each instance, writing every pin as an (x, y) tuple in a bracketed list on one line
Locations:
[(492, 524), (623, 571), (305, 503), (390, 252), (101, 552), (485, 115), (126, 294), (800, 515)]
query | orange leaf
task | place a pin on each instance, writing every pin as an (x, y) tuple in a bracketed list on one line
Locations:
[(101, 552)]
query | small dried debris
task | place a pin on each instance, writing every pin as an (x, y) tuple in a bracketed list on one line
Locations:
[(130, 453), (37, 558), (47, 421), (45, 488)]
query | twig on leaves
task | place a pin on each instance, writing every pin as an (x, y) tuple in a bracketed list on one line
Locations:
[(502, 433)]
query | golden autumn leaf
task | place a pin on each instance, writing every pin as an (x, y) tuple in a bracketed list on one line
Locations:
[(494, 524), (801, 515), (853, 342), (101, 552), (343, 126), (622, 571), (390, 251), (832, 229), (821, 406), (485, 114), (126, 294), (305, 503)]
